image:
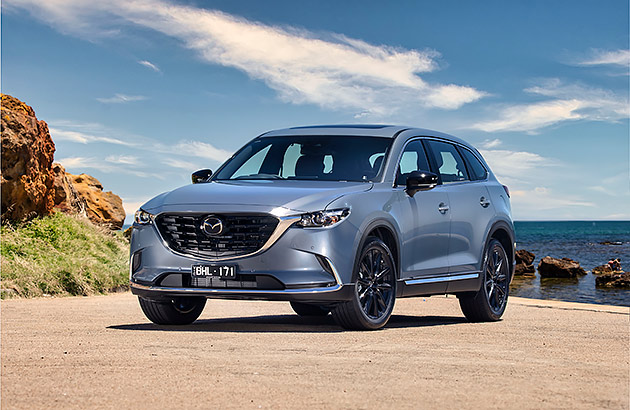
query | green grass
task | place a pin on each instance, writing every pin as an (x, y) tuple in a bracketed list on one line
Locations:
[(61, 255)]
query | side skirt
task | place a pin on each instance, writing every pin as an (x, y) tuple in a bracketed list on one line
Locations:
[(464, 282)]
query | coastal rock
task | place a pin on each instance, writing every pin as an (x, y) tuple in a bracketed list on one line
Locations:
[(66, 197), (598, 270), (104, 208), (614, 280), (27, 156), (611, 243), (559, 268), (524, 263)]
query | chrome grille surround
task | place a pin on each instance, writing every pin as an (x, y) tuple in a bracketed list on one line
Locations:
[(243, 234)]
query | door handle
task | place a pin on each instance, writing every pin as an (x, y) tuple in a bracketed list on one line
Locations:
[(443, 208), (484, 202)]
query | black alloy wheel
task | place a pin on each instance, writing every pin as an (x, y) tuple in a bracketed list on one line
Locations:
[(489, 303), (375, 289)]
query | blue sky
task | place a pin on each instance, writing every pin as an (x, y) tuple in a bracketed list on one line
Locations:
[(141, 93)]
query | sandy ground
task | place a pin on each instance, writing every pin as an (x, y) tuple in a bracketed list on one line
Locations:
[(101, 352)]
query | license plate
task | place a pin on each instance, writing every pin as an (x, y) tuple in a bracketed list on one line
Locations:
[(218, 271)]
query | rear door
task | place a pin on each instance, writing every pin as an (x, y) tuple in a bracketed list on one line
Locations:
[(469, 201)]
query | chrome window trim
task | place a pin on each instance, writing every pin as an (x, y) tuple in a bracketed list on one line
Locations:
[(284, 223)]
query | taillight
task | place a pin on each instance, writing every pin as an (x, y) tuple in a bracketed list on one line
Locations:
[(507, 190)]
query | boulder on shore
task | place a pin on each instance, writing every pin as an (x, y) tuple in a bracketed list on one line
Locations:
[(559, 268), (524, 263), (27, 157), (598, 270), (613, 280)]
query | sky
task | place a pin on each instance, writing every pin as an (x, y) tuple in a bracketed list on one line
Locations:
[(140, 94)]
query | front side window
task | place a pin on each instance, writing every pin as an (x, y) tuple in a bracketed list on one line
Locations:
[(323, 158), (413, 159), (449, 163)]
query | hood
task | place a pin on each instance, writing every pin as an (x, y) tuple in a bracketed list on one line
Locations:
[(260, 195)]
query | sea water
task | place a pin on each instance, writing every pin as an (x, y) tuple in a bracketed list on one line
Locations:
[(582, 241)]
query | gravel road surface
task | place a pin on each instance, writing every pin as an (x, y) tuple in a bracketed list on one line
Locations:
[(101, 352)]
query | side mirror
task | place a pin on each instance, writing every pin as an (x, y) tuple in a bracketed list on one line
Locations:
[(201, 176), (420, 181)]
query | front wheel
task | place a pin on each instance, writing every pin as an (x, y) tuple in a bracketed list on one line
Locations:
[(177, 311), (488, 304), (375, 289)]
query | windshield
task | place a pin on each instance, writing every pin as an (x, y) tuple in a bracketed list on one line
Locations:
[(323, 158)]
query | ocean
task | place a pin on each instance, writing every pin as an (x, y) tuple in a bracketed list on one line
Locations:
[(581, 241)]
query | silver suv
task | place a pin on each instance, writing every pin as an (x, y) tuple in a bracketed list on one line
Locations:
[(340, 219)]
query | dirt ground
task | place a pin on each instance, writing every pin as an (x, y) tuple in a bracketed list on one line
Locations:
[(101, 352)]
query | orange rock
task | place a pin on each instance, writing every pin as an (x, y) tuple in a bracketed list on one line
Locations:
[(27, 156), (66, 197), (105, 208)]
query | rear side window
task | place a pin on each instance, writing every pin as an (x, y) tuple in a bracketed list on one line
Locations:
[(412, 159), (449, 163), (475, 167)]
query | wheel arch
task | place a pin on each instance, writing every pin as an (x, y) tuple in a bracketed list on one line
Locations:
[(386, 232), (504, 233)]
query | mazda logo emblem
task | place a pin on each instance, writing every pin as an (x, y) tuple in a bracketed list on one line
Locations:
[(212, 226)]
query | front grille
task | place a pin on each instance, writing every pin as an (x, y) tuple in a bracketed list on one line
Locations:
[(241, 235)]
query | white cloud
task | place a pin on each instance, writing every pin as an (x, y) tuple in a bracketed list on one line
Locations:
[(79, 164), (150, 65), (332, 71), (570, 102), (201, 150), (491, 143), (123, 159), (181, 164), (80, 137), (607, 57), (121, 98), (543, 199)]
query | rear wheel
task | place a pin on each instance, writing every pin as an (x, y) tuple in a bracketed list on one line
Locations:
[(177, 311), (488, 304), (304, 309), (375, 289)]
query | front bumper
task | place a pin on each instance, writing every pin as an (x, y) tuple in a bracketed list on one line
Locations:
[(305, 264)]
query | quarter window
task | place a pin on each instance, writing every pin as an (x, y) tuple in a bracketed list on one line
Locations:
[(476, 168), (449, 163), (412, 159)]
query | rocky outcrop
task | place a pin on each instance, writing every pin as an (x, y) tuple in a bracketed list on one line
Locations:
[(33, 186), (66, 197), (27, 157), (524, 263), (559, 268), (104, 208), (614, 280)]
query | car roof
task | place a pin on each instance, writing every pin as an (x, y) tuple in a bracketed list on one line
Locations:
[(368, 130)]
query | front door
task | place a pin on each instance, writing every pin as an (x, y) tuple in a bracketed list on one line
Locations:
[(425, 220)]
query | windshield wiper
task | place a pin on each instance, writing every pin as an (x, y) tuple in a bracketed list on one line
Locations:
[(259, 176)]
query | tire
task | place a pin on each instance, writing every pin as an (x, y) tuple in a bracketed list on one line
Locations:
[(489, 303), (304, 309), (374, 291), (178, 311)]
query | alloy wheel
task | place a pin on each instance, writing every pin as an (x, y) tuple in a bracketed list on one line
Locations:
[(496, 280), (375, 283)]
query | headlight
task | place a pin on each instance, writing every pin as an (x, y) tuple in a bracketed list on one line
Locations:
[(142, 217), (323, 218)]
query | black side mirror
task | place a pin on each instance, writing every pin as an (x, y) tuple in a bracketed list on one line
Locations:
[(420, 181), (201, 176)]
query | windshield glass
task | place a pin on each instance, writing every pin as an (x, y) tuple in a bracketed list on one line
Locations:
[(323, 158)]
